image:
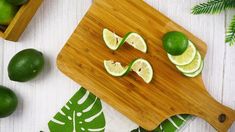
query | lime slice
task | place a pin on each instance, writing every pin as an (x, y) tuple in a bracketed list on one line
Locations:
[(115, 68), (113, 41), (193, 66), (143, 69), (194, 74), (185, 58), (136, 41)]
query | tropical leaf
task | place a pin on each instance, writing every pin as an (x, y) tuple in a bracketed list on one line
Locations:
[(213, 6), (83, 112), (170, 125), (230, 35)]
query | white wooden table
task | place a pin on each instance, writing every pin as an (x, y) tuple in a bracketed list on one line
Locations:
[(41, 98)]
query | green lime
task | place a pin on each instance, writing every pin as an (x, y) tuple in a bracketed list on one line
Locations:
[(175, 43), (7, 12), (25, 65), (17, 2), (8, 102)]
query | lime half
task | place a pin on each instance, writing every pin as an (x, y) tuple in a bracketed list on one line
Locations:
[(185, 58), (114, 42), (194, 74), (115, 68), (143, 69), (193, 66)]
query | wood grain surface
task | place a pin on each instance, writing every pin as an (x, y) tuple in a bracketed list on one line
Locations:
[(169, 93), (41, 98), (21, 20)]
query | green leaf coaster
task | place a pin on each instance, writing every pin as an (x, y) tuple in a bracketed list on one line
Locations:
[(83, 112)]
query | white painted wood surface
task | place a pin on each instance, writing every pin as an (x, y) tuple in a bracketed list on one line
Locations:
[(42, 97)]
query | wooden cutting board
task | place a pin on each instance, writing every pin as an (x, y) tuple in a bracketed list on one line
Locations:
[(168, 94)]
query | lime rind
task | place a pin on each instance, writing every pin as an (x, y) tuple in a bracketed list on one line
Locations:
[(140, 66), (186, 58), (114, 42), (193, 66), (124, 39), (196, 73)]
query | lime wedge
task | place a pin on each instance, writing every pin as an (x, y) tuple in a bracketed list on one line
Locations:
[(114, 41), (194, 74), (136, 41), (115, 68), (111, 40), (193, 66), (143, 69), (185, 58)]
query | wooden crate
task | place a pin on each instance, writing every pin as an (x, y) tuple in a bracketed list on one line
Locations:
[(21, 20)]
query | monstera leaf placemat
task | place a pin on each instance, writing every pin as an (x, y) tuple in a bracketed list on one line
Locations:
[(83, 113)]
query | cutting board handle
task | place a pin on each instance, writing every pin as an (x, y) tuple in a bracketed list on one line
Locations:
[(219, 116)]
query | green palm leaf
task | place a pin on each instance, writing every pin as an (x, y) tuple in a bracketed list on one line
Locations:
[(230, 35), (82, 113), (170, 125), (213, 6)]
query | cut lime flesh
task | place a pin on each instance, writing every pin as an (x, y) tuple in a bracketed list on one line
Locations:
[(193, 66), (194, 74), (186, 58), (115, 68), (114, 42), (136, 41), (111, 40), (143, 69)]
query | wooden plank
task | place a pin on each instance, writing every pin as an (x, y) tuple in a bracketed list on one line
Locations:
[(229, 71), (80, 60), (42, 97)]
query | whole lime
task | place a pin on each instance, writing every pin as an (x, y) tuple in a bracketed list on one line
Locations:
[(8, 102), (175, 43), (7, 12), (17, 2), (25, 65)]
